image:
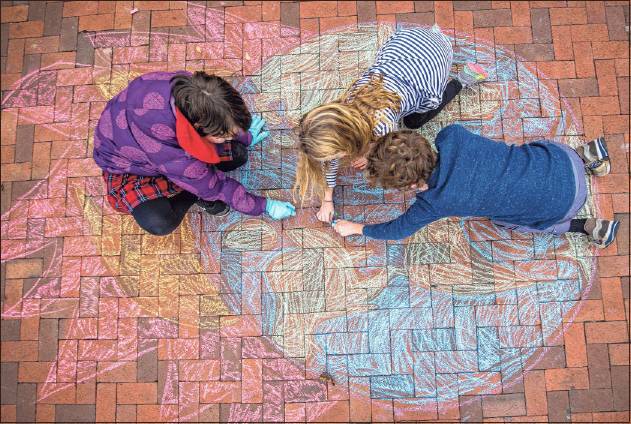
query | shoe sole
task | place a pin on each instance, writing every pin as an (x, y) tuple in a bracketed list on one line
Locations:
[(610, 235)]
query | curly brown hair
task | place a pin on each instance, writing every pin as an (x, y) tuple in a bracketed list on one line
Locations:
[(400, 159)]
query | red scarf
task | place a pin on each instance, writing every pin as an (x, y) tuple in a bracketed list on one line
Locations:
[(194, 144)]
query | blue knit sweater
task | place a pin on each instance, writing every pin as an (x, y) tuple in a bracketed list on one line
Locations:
[(532, 184)]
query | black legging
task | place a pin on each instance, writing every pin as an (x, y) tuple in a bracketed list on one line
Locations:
[(163, 215), (417, 120)]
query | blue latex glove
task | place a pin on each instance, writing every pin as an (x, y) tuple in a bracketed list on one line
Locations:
[(279, 210), (256, 130)]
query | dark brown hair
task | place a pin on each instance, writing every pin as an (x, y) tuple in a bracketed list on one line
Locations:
[(400, 159), (210, 103)]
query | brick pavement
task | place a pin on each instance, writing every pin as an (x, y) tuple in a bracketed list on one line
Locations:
[(236, 319)]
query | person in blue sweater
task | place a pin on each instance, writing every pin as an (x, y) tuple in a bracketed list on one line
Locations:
[(534, 187)]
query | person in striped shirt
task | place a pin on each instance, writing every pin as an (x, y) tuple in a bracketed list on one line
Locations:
[(408, 83)]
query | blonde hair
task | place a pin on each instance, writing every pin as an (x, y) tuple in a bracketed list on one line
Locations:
[(343, 126)]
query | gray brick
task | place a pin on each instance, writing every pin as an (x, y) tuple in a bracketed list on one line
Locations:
[(620, 385), (425, 18), (147, 370), (598, 366), (75, 413), (36, 10), (366, 11), (85, 50), (24, 143), (592, 400), (31, 63), (48, 339), (26, 403), (10, 329), (558, 407), (68, 35), (9, 383), (53, 18), (541, 30)]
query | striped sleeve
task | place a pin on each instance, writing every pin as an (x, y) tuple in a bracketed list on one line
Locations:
[(331, 173)]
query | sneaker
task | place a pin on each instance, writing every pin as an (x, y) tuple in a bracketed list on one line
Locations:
[(471, 74), (216, 208), (595, 156), (601, 232)]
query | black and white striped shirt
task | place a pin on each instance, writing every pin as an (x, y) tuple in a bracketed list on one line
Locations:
[(415, 64)]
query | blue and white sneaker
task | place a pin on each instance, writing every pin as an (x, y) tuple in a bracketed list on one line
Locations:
[(601, 232), (595, 156)]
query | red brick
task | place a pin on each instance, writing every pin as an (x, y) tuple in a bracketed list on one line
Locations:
[(606, 73), (513, 35), (17, 351), (96, 22), (611, 50), (61, 60), (346, 22), (17, 13), (130, 54), (36, 372), (252, 380), (568, 16), (116, 372), (168, 18), (315, 9), (105, 402), (344, 8), (220, 392), (590, 32), (391, 7), (562, 42), (580, 87), (75, 76), (41, 160), (612, 298), (619, 354), (36, 115), (136, 393), (240, 14), (520, 12), (157, 413), (16, 172), (444, 14), (57, 393), (584, 60), (575, 351), (420, 409), (15, 58), (600, 105), (79, 8), (28, 29), (41, 45), (169, 349), (152, 5), (334, 411), (566, 378), (606, 332), (595, 12), (535, 392), (555, 70), (123, 17)]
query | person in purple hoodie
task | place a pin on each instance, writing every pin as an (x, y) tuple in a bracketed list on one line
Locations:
[(164, 143)]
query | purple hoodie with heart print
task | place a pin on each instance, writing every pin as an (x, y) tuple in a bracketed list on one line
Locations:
[(136, 135)]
